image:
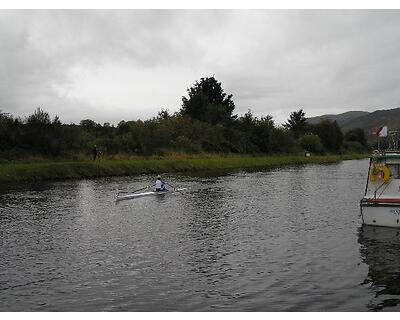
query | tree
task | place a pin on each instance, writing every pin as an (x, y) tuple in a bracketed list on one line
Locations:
[(208, 102), (39, 118), (330, 134), (37, 134), (357, 135), (262, 133), (88, 125), (311, 142), (282, 141), (163, 114), (297, 123), (252, 134), (8, 131)]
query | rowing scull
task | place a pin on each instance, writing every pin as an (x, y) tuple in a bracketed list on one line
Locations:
[(145, 194)]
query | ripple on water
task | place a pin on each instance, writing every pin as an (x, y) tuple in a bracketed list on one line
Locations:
[(280, 240)]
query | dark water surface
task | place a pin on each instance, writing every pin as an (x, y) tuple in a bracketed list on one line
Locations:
[(281, 240)]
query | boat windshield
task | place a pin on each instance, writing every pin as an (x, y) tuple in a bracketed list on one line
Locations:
[(394, 170)]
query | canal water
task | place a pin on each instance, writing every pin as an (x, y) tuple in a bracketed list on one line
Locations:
[(282, 240)]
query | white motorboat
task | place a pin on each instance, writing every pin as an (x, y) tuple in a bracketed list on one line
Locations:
[(148, 193), (380, 205)]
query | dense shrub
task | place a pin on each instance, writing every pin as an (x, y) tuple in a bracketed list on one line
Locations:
[(311, 142)]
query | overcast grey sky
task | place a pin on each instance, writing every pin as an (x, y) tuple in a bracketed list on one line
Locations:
[(128, 64)]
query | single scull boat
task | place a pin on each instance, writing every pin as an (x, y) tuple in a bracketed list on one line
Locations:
[(145, 194)]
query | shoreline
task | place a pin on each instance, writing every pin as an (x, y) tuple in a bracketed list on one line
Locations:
[(63, 170)]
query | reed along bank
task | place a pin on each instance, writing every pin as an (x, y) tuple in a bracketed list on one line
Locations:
[(58, 170)]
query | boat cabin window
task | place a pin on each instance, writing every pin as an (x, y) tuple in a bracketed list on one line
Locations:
[(394, 170)]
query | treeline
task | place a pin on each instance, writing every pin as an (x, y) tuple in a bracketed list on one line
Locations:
[(205, 123)]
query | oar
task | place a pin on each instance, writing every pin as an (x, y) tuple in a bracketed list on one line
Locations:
[(133, 191), (147, 187), (175, 189), (170, 185)]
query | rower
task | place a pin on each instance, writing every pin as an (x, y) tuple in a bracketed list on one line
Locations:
[(160, 185)]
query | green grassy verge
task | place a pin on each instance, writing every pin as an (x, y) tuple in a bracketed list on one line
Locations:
[(36, 171)]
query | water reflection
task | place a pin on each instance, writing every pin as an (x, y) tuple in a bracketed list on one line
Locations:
[(265, 241), (206, 227), (380, 249)]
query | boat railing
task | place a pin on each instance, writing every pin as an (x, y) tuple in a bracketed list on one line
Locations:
[(385, 151)]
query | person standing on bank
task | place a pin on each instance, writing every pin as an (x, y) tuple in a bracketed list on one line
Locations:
[(95, 153)]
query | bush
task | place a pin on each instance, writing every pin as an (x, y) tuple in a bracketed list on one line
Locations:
[(282, 141), (311, 142), (353, 146), (184, 144), (356, 135)]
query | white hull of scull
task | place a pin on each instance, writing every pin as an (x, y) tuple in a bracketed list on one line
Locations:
[(145, 194)]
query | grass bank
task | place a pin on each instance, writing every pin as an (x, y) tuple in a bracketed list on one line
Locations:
[(36, 171)]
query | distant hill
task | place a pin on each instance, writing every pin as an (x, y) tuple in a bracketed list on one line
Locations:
[(363, 119), (341, 118)]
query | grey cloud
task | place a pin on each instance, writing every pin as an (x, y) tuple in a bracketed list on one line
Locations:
[(273, 61)]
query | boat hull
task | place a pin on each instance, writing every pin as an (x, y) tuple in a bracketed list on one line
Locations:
[(146, 194), (384, 214)]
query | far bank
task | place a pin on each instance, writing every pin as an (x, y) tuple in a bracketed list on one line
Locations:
[(58, 170)]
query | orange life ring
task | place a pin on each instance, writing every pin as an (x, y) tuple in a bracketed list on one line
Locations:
[(379, 172)]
